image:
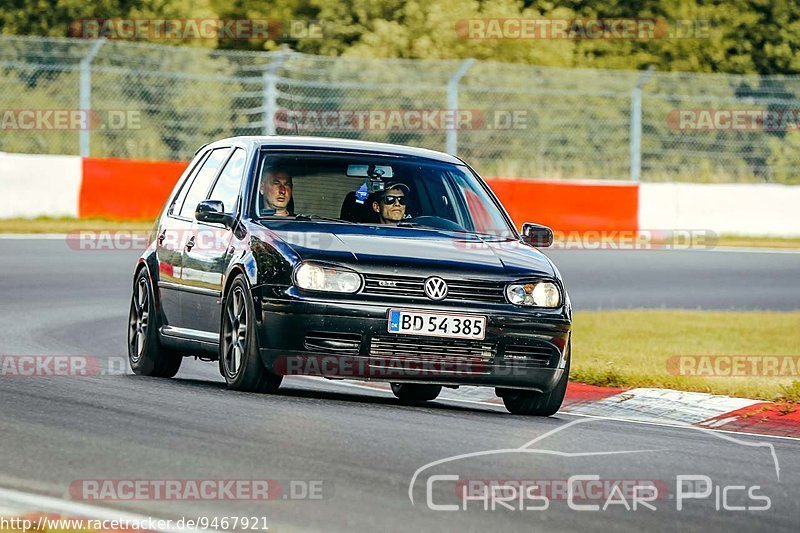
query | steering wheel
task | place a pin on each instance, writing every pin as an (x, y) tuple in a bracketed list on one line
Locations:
[(436, 222)]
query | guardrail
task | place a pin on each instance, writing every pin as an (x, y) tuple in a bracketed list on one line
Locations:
[(129, 189)]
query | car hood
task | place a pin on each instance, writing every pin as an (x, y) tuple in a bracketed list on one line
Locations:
[(421, 250)]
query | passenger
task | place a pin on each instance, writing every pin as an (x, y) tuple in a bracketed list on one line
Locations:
[(276, 189), (390, 204)]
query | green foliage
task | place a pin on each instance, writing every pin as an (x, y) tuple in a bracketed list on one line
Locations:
[(577, 120), (58, 18), (733, 36)]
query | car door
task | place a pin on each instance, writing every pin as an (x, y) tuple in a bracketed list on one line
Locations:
[(171, 238), (176, 235), (205, 262)]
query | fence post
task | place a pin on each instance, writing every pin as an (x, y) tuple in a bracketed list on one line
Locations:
[(85, 95), (451, 146), (636, 125), (270, 92)]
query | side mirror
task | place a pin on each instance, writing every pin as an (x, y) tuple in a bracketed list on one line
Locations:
[(537, 235), (213, 211)]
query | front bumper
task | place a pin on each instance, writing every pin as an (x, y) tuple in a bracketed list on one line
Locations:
[(348, 338)]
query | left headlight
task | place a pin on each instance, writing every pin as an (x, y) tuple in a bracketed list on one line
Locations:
[(540, 294), (315, 277)]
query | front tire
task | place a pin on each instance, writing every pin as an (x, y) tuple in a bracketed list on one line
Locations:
[(145, 354), (415, 393), (530, 403), (239, 361)]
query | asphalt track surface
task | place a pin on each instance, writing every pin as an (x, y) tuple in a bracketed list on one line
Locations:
[(360, 444)]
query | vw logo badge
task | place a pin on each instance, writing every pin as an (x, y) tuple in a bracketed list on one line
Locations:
[(435, 288)]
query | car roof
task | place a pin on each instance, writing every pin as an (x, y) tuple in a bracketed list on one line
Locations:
[(291, 141)]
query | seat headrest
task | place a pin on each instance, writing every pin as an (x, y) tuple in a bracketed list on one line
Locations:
[(354, 211)]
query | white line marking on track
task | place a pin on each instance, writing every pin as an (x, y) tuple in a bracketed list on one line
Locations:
[(567, 413)]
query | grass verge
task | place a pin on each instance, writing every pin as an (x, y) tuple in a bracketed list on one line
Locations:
[(735, 241), (67, 225), (633, 348)]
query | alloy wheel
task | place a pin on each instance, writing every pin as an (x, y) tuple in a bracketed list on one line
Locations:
[(235, 332), (139, 320)]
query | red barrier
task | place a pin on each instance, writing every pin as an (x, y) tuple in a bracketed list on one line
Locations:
[(124, 189), (568, 206)]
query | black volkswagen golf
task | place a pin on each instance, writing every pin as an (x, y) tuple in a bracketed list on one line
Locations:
[(284, 256)]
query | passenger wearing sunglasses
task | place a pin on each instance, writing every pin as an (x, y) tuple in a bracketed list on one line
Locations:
[(391, 203)]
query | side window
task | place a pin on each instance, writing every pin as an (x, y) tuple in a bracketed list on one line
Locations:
[(471, 202), (226, 189), (199, 187), (175, 207)]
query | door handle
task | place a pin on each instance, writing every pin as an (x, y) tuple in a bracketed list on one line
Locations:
[(190, 244), (162, 236)]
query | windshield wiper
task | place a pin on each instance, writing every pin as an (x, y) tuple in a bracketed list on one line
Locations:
[(404, 224)]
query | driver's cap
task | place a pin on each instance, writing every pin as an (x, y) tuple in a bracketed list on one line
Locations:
[(397, 185)]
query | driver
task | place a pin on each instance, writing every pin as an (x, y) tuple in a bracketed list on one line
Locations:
[(390, 204), (276, 189)]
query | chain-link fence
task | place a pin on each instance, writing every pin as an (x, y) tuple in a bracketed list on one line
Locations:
[(512, 120)]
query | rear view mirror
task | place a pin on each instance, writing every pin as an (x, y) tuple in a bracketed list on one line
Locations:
[(370, 171), (213, 211), (537, 235)]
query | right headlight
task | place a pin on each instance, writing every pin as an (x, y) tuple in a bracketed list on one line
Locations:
[(539, 294), (315, 277)]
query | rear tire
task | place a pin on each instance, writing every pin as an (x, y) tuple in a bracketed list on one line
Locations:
[(239, 360), (415, 393), (145, 354), (530, 403)]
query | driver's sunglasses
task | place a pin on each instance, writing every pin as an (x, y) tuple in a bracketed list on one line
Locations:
[(390, 199)]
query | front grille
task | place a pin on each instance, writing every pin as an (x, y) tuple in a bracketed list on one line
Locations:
[(324, 341), (535, 355), (434, 355), (412, 287)]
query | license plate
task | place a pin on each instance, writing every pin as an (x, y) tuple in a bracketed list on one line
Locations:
[(437, 324)]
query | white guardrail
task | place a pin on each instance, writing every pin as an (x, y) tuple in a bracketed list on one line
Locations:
[(727, 209)]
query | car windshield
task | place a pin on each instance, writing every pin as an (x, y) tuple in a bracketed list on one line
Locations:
[(364, 189)]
